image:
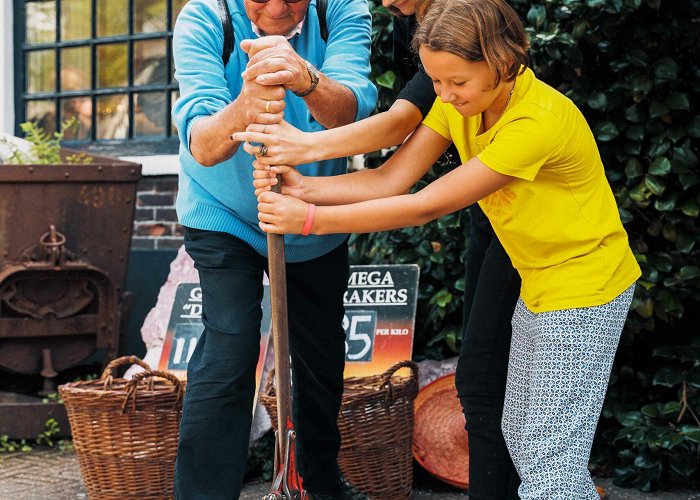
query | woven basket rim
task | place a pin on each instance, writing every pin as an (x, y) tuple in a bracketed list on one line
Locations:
[(118, 388), (359, 385), (86, 385)]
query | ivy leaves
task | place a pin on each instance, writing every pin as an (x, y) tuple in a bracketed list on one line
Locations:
[(630, 66), (663, 436)]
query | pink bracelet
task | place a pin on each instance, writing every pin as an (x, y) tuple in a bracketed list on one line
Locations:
[(310, 211)]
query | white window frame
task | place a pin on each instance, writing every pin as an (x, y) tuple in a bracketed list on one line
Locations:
[(7, 93)]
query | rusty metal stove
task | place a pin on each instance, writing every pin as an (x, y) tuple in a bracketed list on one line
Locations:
[(65, 233), (55, 309)]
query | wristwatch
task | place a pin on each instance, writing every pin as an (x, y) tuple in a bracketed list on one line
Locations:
[(315, 77)]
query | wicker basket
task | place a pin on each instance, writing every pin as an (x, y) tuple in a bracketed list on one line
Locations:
[(376, 428), (125, 432)]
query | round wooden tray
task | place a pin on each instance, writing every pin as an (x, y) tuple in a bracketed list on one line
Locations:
[(440, 442)]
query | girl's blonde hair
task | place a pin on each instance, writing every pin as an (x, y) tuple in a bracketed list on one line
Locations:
[(475, 30)]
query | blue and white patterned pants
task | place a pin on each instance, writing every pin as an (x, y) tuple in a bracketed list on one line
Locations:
[(558, 373)]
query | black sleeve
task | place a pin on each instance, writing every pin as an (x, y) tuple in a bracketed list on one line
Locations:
[(405, 61), (419, 91)]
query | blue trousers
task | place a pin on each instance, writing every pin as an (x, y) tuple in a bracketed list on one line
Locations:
[(218, 406), (492, 288)]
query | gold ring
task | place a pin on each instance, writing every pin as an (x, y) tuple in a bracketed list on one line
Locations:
[(267, 106)]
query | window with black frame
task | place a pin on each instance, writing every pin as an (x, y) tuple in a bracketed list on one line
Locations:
[(107, 63)]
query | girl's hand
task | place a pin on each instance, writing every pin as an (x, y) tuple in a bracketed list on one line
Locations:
[(266, 176), (281, 214), (286, 145)]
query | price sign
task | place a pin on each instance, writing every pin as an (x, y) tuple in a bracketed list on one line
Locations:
[(359, 334), (185, 327), (380, 312), (185, 340)]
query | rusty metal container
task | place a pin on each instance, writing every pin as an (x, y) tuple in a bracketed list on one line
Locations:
[(24, 417), (65, 233)]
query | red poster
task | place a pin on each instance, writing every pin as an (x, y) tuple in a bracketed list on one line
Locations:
[(185, 327), (380, 316)]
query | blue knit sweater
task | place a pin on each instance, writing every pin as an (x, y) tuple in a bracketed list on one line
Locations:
[(222, 198)]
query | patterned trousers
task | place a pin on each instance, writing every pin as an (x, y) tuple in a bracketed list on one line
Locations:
[(558, 373)]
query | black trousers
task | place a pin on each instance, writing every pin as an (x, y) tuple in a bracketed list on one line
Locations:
[(218, 406), (492, 288)]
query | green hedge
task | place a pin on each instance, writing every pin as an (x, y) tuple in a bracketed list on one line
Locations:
[(632, 68)]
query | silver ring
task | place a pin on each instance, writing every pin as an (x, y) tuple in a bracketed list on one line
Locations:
[(263, 150)]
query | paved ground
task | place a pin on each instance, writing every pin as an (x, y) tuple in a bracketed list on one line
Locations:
[(42, 474)]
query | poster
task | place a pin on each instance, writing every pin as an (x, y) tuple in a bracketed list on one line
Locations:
[(380, 313), (185, 327), (380, 316)]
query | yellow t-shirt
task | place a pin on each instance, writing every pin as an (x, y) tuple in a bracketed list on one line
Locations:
[(557, 220)]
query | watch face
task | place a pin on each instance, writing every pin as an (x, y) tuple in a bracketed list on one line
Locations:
[(313, 72), (314, 75)]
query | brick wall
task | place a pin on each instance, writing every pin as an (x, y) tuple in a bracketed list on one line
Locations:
[(155, 221)]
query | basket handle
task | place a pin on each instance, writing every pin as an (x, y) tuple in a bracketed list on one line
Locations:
[(108, 373), (132, 385), (270, 383), (386, 377)]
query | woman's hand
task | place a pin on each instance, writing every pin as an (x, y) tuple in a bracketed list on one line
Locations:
[(266, 176), (281, 214), (286, 145)]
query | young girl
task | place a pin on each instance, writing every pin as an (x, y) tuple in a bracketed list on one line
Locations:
[(531, 162), (491, 284)]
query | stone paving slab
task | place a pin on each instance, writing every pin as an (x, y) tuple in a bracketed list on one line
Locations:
[(52, 474), (40, 475)]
